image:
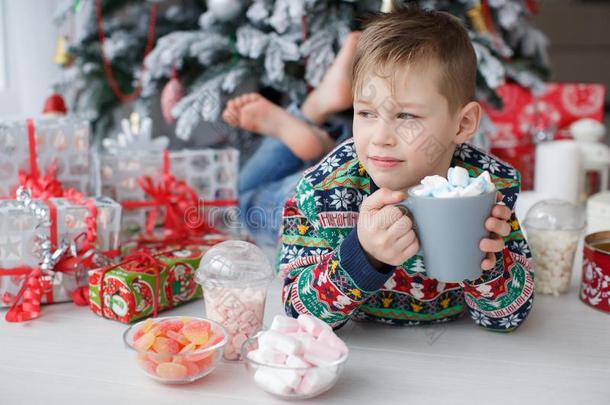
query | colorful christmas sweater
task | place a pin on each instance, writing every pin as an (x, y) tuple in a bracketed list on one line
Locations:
[(327, 274)]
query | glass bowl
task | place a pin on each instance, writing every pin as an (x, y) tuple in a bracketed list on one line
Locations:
[(185, 366), (294, 382)]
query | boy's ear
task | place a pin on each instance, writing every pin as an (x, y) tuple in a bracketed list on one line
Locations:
[(469, 118)]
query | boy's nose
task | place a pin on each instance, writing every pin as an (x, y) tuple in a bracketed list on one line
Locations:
[(385, 134)]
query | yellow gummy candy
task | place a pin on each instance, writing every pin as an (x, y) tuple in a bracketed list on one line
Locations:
[(147, 325), (145, 341), (171, 371)]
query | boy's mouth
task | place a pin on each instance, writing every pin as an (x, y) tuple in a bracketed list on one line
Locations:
[(385, 161)]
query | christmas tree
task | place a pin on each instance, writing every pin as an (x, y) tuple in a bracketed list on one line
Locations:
[(286, 46), (98, 80)]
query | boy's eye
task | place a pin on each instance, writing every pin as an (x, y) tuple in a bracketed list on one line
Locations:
[(365, 114), (405, 116)]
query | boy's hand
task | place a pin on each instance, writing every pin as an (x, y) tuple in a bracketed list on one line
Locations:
[(499, 227), (384, 232)]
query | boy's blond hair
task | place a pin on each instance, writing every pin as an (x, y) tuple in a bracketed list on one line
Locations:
[(411, 36)]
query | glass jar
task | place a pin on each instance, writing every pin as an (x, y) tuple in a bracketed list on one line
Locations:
[(554, 228), (235, 276)]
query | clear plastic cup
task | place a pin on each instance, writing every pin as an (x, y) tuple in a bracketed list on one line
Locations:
[(554, 229), (235, 276)]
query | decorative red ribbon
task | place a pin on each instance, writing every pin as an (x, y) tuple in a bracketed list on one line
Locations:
[(150, 40), (43, 187), (145, 263), (180, 202)]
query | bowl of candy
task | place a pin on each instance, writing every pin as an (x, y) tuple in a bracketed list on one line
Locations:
[(176, 349), (295, 358)]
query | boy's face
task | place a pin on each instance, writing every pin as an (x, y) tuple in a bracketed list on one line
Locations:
[(400, 138)]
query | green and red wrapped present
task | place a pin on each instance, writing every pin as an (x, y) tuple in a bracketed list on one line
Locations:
[(145, 284)]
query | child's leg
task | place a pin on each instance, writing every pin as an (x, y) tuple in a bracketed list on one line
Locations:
[(334, 93), (255, 113), (270, 162), (261, 208), (273, 160)]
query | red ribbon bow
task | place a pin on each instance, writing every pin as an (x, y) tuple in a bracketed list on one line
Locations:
[(180, 202), (26, 305)]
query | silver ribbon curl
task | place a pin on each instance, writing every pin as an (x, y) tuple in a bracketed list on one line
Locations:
[(50, 256)]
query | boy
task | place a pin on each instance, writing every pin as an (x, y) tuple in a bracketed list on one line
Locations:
[(348, 252)]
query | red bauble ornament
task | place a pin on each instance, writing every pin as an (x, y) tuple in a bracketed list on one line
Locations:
[(55, 105), (170, 96)]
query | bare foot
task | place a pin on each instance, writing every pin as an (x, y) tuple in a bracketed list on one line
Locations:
[(334, 93), (255, 113)]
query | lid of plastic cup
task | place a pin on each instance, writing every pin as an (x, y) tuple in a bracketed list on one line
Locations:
[(555, 215), (234, 263)]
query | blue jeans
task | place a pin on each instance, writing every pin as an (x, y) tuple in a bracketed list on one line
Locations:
[(269, 178)]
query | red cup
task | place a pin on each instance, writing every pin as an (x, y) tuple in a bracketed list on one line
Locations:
[(595, 287)]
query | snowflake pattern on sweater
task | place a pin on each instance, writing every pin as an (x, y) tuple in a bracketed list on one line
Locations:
[(326, 274)]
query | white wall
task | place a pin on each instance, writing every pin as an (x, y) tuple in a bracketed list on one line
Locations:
[(29, 38)]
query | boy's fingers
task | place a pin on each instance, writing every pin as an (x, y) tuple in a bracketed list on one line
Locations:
[(402, 227), (492, 245), (501, 212), (498, 226), (387, 216), (381, 198), (489, 262)]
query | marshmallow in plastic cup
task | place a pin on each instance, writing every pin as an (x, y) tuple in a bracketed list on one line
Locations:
[(235, 276)]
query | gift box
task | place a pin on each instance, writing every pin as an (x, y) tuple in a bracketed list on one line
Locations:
[(138, 180), (524, 114), (81, 232), (44, 149), (145, 284)]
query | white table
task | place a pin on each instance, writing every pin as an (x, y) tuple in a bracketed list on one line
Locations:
[(560, 355)]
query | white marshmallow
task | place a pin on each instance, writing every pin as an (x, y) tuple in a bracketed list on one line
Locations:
[(457, 184), (434, 183), (332, 340), (268, 380), (446, 193), (458, 176), (289, 377), (267, 356), (296, 362), (276, 341), (419, 191), (305, 338), (474, 188), (284, 324), (320, 354), (313, 325), (485, 177), (316, 380)]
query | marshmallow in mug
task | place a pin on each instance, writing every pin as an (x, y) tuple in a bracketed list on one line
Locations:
[(299, 345), (457, 184)]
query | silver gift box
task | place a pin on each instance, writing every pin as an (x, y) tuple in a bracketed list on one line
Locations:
[(21, 234), (211, 173), (64, 141)]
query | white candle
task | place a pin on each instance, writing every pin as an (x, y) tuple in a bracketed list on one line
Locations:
[(558, 170)]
